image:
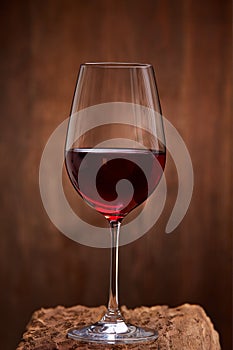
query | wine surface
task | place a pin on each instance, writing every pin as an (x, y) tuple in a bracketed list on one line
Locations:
[(97, 176)]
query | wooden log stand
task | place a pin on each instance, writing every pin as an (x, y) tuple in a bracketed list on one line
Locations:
[(186, 327)]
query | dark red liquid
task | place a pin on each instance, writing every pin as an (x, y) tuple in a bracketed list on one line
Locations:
[(95, 174)]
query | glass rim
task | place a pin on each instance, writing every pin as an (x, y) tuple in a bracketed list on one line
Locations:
[(116, 65)]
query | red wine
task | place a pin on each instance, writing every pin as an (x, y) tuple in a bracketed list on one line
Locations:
[(96, 173)]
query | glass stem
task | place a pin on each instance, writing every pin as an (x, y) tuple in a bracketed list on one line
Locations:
[(113, 306), (113, 316), (113, 321)]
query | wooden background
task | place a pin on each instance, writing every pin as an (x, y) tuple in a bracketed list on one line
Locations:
[(42, 45)]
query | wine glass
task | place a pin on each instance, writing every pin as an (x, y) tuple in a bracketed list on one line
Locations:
[(115, 156)]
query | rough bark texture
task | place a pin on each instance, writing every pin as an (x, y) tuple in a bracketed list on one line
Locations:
[(182, 328)]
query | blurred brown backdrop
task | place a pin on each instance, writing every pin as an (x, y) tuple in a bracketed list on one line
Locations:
[(42, 45)]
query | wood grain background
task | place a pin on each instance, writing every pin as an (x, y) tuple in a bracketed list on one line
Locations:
[(42, 46)]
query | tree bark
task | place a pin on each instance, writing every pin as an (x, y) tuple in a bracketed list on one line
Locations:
[(186, 327)]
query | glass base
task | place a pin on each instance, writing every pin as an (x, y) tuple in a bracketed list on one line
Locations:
[(112, 333)]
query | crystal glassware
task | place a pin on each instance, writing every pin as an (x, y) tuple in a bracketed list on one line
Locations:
[(115, 156)]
